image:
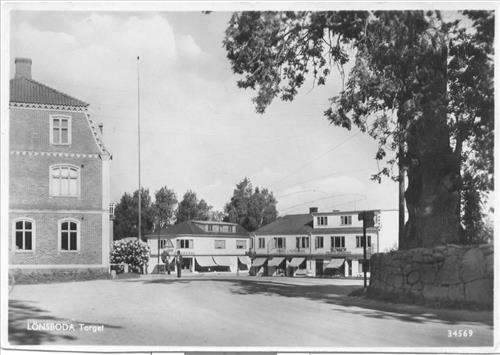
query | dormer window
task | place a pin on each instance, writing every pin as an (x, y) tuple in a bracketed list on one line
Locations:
[(345, 220), (60, 130), (322, 221)]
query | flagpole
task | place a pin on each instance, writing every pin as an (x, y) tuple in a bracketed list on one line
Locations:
[(139, 146)]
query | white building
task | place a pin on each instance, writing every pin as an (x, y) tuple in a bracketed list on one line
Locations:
[(320, 243), (204, 245)]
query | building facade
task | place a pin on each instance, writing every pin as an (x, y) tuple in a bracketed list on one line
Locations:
[(58, 180), (204, 245), (317, 243)]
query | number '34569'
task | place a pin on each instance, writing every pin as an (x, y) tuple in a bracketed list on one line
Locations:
[(460, 333)]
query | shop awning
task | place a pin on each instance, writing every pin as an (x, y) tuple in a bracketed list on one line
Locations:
[(245, 260), (222, 260), (205, 261), (275, 261), (334, 264), (258, 262), (296, 262)]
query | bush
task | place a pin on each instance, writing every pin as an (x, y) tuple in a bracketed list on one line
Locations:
[(133, 253)]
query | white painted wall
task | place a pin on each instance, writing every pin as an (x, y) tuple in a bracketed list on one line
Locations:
[(389, 230)]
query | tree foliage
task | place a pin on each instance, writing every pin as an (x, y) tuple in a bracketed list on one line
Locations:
[(420, 85), (133, 253), (190, 208), (126, 223), (164, 207), (251, 208)]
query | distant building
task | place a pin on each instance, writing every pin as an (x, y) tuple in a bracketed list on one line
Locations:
[(319, 243), (59, 207), (205, 246)]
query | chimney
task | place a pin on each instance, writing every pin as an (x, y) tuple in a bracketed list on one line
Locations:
[(101, 127), (313, 210), (23, 68)]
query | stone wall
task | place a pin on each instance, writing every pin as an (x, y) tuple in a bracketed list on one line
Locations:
[(450, 274)]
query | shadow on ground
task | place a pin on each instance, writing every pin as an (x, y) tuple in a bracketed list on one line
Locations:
[(19, 334), (341, 295)]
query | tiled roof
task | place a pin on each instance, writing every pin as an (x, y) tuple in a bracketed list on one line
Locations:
[(25, 90), (289, 224), (303, 224), (191, 227)]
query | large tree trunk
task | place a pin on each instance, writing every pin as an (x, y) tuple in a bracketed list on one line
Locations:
[(432, 195)]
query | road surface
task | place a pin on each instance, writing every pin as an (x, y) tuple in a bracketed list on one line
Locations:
[(221, 311)]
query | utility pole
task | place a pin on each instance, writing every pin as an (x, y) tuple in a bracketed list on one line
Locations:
[(139, 147), (368, 221)]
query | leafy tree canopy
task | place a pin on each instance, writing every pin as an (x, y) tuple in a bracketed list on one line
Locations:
[(420, 84), (164, 207), (192, 208), (251, 208), (127, 215)]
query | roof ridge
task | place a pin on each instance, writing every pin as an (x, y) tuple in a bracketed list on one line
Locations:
[(55, 90)]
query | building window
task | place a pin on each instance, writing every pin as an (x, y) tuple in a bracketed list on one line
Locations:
[(279, 242), (220, 244), (359, 241), (64, 181), (338, 242), (24, 232), (69, 235), (60, 130), (322, 221), (230, 229), (262, 243), (302, 242), (319, 242), (210, 228), (241, 244), (185, 243), (345, 220), (166, 243)]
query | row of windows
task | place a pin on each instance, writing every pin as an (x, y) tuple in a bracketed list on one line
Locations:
[(323, 220), (68, 232), (218, 244), (303, 242), (220, 228)]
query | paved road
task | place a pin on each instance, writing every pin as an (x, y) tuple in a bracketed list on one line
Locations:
[(233, 311)]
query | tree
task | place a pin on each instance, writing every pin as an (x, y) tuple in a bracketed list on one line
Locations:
[(251, 208), (164, 207), (126, 215), (133, 253), (404, 89), (192, 209)]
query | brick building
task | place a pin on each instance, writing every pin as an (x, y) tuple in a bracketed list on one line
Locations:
[(58, 180)]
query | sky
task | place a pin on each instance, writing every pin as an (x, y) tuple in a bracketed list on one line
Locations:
[(198, 130)]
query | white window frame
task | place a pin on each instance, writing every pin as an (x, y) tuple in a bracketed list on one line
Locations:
[(219, 241), (322, 220), (317, 239), (78, 180), (261, 243), (241, 242), (65, 117), (348, 220), (334, 237), (59, 235), (33, 234)]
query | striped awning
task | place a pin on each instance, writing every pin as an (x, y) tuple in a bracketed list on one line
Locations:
[(296, 262), (245, 260), (205, 261), (334, 264), (275, 261), (258, 262), (222, 260)]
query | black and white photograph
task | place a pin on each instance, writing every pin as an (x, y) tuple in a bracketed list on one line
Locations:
[(197, 177)]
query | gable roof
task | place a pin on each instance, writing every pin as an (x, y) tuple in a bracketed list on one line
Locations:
[(289, 224), (24, 90), (191, 227)]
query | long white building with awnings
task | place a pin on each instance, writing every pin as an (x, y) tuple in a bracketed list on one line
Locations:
[(320, 243), (206, 246)]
